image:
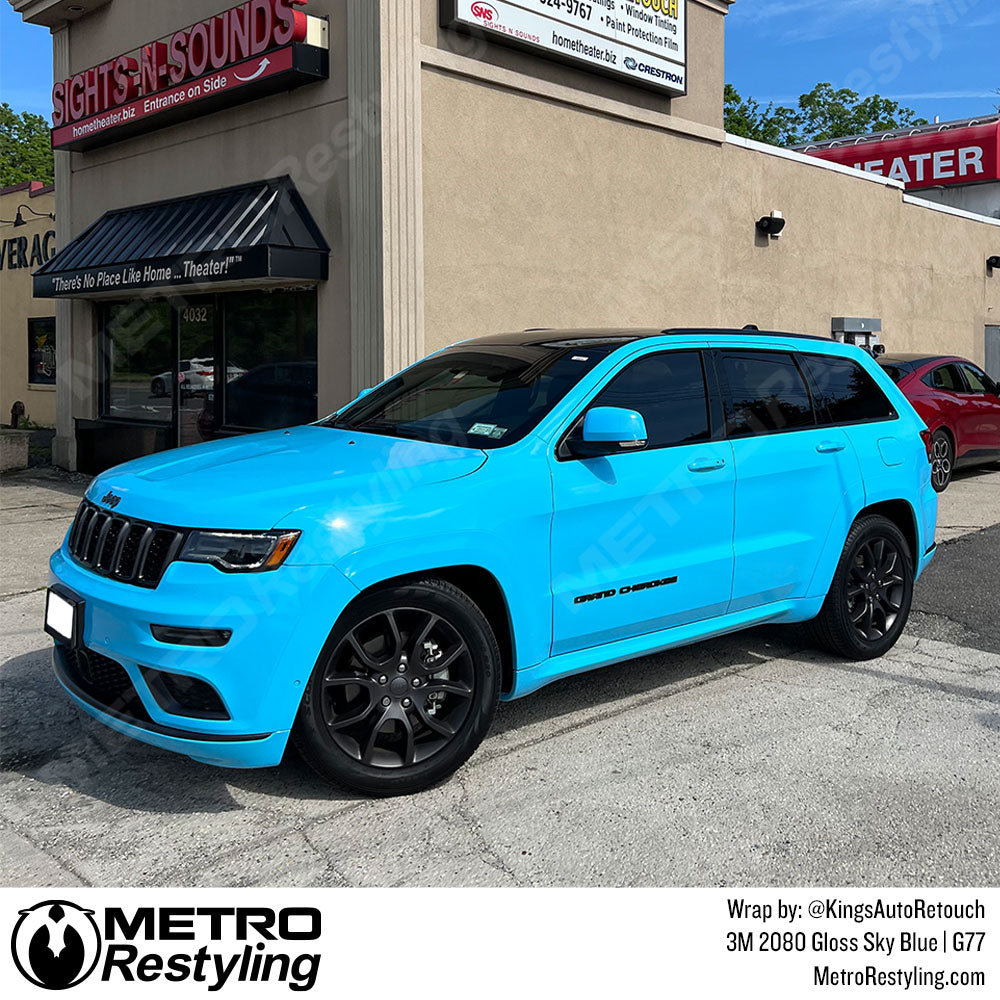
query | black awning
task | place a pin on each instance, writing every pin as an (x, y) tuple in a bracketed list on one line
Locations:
[(255, 232)]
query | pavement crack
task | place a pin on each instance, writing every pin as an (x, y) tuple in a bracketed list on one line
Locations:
[(487, 854), (64, 865), (21, 593), (343, 882)]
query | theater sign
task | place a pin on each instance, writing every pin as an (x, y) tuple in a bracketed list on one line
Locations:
[(924, 159), (250, 51)]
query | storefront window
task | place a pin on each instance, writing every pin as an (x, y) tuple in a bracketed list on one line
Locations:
[(42, 351), (139, 357), (164, 362), (270, 344)]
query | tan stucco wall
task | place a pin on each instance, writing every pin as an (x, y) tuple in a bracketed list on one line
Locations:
[(17, 305), (539, 213)]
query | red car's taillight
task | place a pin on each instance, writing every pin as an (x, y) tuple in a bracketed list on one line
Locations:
[(928, 440)]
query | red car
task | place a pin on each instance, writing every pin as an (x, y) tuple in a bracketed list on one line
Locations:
[(960, 404)]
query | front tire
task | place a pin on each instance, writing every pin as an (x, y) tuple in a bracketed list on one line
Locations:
[(942, 461), (404, 691), (870, 598)]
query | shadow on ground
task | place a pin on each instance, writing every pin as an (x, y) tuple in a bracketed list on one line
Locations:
[(43, 736)]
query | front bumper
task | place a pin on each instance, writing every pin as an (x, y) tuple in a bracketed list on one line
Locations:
[(279, 623)]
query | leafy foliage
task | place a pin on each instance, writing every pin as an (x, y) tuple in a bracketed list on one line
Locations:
[(823, 113), (25, 150)]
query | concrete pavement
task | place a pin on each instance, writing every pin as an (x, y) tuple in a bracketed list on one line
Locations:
[(752, 760)]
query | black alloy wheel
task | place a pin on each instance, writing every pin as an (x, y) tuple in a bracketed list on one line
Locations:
[(404, 691), (876, 587), (942, 461), (869, 601)]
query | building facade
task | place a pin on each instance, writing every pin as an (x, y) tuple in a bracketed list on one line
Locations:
[(27, 324), (430, 171)]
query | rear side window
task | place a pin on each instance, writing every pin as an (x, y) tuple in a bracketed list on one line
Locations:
[(767, 394), (848, 394), (979, 381), (896, 373), (669, 391), (947, 377)]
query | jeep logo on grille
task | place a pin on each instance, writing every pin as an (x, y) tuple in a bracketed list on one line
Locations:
[(111, 499)]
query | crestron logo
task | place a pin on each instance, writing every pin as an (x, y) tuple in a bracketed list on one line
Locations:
[(485, 12), (654, 71), (56, 944)]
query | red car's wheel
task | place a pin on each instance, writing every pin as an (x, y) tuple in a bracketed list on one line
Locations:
[(942, 461)]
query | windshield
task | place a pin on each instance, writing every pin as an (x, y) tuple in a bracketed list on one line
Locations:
[(472, 397)]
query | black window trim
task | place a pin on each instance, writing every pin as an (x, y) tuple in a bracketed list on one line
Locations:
[(713, 403), (894, 414)]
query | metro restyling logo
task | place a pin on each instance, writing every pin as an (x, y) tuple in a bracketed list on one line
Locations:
[(57, 945)]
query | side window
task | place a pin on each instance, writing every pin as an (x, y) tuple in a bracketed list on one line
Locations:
[(979, 382), (947, 378), (669, 391), (767, 393), (851, 395)]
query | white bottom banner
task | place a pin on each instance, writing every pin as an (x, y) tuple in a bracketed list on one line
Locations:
[(772, 943)]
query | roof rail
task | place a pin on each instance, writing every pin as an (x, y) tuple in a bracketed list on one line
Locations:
[(747, 330)]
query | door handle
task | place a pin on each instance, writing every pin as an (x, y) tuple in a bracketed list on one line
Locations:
[(707, 464), (829, 447)]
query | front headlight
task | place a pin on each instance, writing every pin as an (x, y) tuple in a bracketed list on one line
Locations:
[(239, 551)]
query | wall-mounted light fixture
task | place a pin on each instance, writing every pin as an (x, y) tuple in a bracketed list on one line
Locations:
[(993, 264), (772, 225), (19, 219)]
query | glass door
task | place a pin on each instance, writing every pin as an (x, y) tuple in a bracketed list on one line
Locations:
[(197, 369)]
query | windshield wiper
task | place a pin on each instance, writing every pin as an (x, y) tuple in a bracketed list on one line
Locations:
[(387, 429)]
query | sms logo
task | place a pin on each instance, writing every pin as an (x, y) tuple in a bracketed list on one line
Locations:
[(484, 12)]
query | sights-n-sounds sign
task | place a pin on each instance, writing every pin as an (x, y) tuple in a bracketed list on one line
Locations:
[(644, 41), (254, 49)]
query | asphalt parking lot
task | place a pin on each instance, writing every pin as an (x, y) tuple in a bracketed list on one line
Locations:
[(752, 760)]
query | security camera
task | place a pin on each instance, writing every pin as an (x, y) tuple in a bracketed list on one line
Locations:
[(993, 263), (772, 225)]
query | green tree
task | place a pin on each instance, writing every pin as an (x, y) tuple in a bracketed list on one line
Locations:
[(823, 113), (25, 150), (745, 117)]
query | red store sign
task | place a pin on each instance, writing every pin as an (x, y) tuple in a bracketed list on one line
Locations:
[(249, 51), (929, 159)]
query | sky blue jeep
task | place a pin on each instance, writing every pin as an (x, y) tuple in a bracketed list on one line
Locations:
[(506, 512)]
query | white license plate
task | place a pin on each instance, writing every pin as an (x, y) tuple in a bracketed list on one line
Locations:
[(60, 616)]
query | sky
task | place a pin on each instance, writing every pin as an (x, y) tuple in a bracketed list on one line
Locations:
[(935, 56)]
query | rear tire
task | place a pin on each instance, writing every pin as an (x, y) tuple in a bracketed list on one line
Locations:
[(404, 691), (942, 461), (870, 598)]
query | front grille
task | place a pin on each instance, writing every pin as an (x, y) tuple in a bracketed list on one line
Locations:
[(105, 681), (124, 549)]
